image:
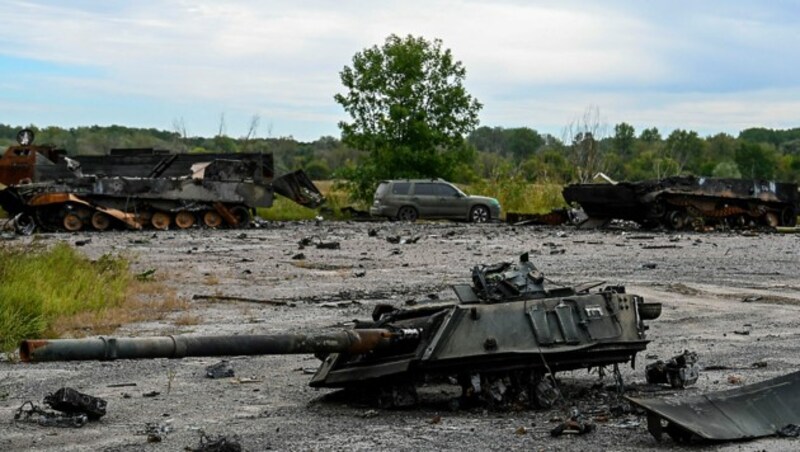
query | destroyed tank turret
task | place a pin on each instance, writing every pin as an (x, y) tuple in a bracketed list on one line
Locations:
[(140, 188), (502, 342), (686, 201)]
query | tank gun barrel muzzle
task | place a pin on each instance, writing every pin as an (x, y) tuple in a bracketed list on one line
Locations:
[(108, 348)]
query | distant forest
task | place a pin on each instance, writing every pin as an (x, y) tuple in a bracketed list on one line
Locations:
[(585, 149)]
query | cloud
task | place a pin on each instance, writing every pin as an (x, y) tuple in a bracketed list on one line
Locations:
[(281, 59)]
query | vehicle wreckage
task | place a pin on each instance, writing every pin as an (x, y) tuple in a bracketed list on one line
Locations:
[(502, 342), (140, 188), (689, 202)]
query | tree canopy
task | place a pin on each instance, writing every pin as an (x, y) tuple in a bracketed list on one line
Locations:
[(409, 111)]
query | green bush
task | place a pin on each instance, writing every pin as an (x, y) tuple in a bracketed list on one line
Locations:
[(40, 285)]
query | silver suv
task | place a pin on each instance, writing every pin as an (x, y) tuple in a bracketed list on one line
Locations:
[(409, 199)]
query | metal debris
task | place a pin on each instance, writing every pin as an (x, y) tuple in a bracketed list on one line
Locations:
[(29, 412), (219, 443), (576, 424), (222, 369), (76, 409), (746, 412), (679, 372)]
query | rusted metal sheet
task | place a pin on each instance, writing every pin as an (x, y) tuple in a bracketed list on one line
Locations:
[(747, 412), (686, 201)]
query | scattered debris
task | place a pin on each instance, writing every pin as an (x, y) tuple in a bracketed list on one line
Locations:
[(742, 332), (219, 443), (735, 379), (83, 242), (29, 412), (369, 414), (242, 299), (146, 275), (521, 430), (397, 240), (328, 246), (576, 424), (76, 409), (435, 420), (120, 385), (649, 266), (746, 412), (751, 298), (156, 431), (679, 372), (222, 369), (151, 394), (299, 257), (553, 218)]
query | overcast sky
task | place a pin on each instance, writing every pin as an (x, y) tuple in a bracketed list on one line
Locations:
[(711, 66)]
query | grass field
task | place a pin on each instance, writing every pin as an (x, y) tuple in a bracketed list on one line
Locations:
[(56, 291)]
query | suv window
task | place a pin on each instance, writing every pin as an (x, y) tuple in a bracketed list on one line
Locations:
[(425, 189), (401, 188), (446, 190), (381, 190)]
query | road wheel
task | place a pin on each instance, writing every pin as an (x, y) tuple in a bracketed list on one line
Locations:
[(184, 219), (676, 219), (242, 216), (479, 214), (407, 213), (72, 222), (212, 219), (100, 221), (161, 221), (789, 217), (772, 219)]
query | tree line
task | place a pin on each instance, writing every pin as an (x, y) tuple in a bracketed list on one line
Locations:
[(491, 152)]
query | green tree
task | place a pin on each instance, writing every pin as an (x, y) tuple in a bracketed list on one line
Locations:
[(651, 135), (756, 161), (624, 138), (409, 110)]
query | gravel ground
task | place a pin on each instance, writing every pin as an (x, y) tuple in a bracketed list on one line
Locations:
[(700, 278)]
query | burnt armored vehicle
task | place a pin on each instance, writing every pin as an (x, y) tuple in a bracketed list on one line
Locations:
[(686, 201), (501, 342), (140, 188)]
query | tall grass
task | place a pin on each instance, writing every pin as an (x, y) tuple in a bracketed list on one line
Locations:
[(39, 287), (519, 196)]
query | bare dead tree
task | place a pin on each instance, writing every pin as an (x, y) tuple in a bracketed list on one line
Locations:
[(251, 131), (583, 136), (179, 127), (222, 128)]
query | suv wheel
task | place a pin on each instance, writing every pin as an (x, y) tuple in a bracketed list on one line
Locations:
[(407, 214), (479, 214)]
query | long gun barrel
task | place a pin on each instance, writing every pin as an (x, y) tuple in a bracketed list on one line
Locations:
[(106, 348)]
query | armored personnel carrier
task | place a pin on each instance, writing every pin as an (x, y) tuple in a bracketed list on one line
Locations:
[(502, 342), (687, 201), (140, 188)]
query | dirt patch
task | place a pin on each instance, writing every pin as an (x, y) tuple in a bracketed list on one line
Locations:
[(269, 404)]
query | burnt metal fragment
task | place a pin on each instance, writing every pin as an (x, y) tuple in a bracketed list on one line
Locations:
[(747, 412), (220, 443), (680, 371), (576, 424), (222, 369), (76, 409)]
